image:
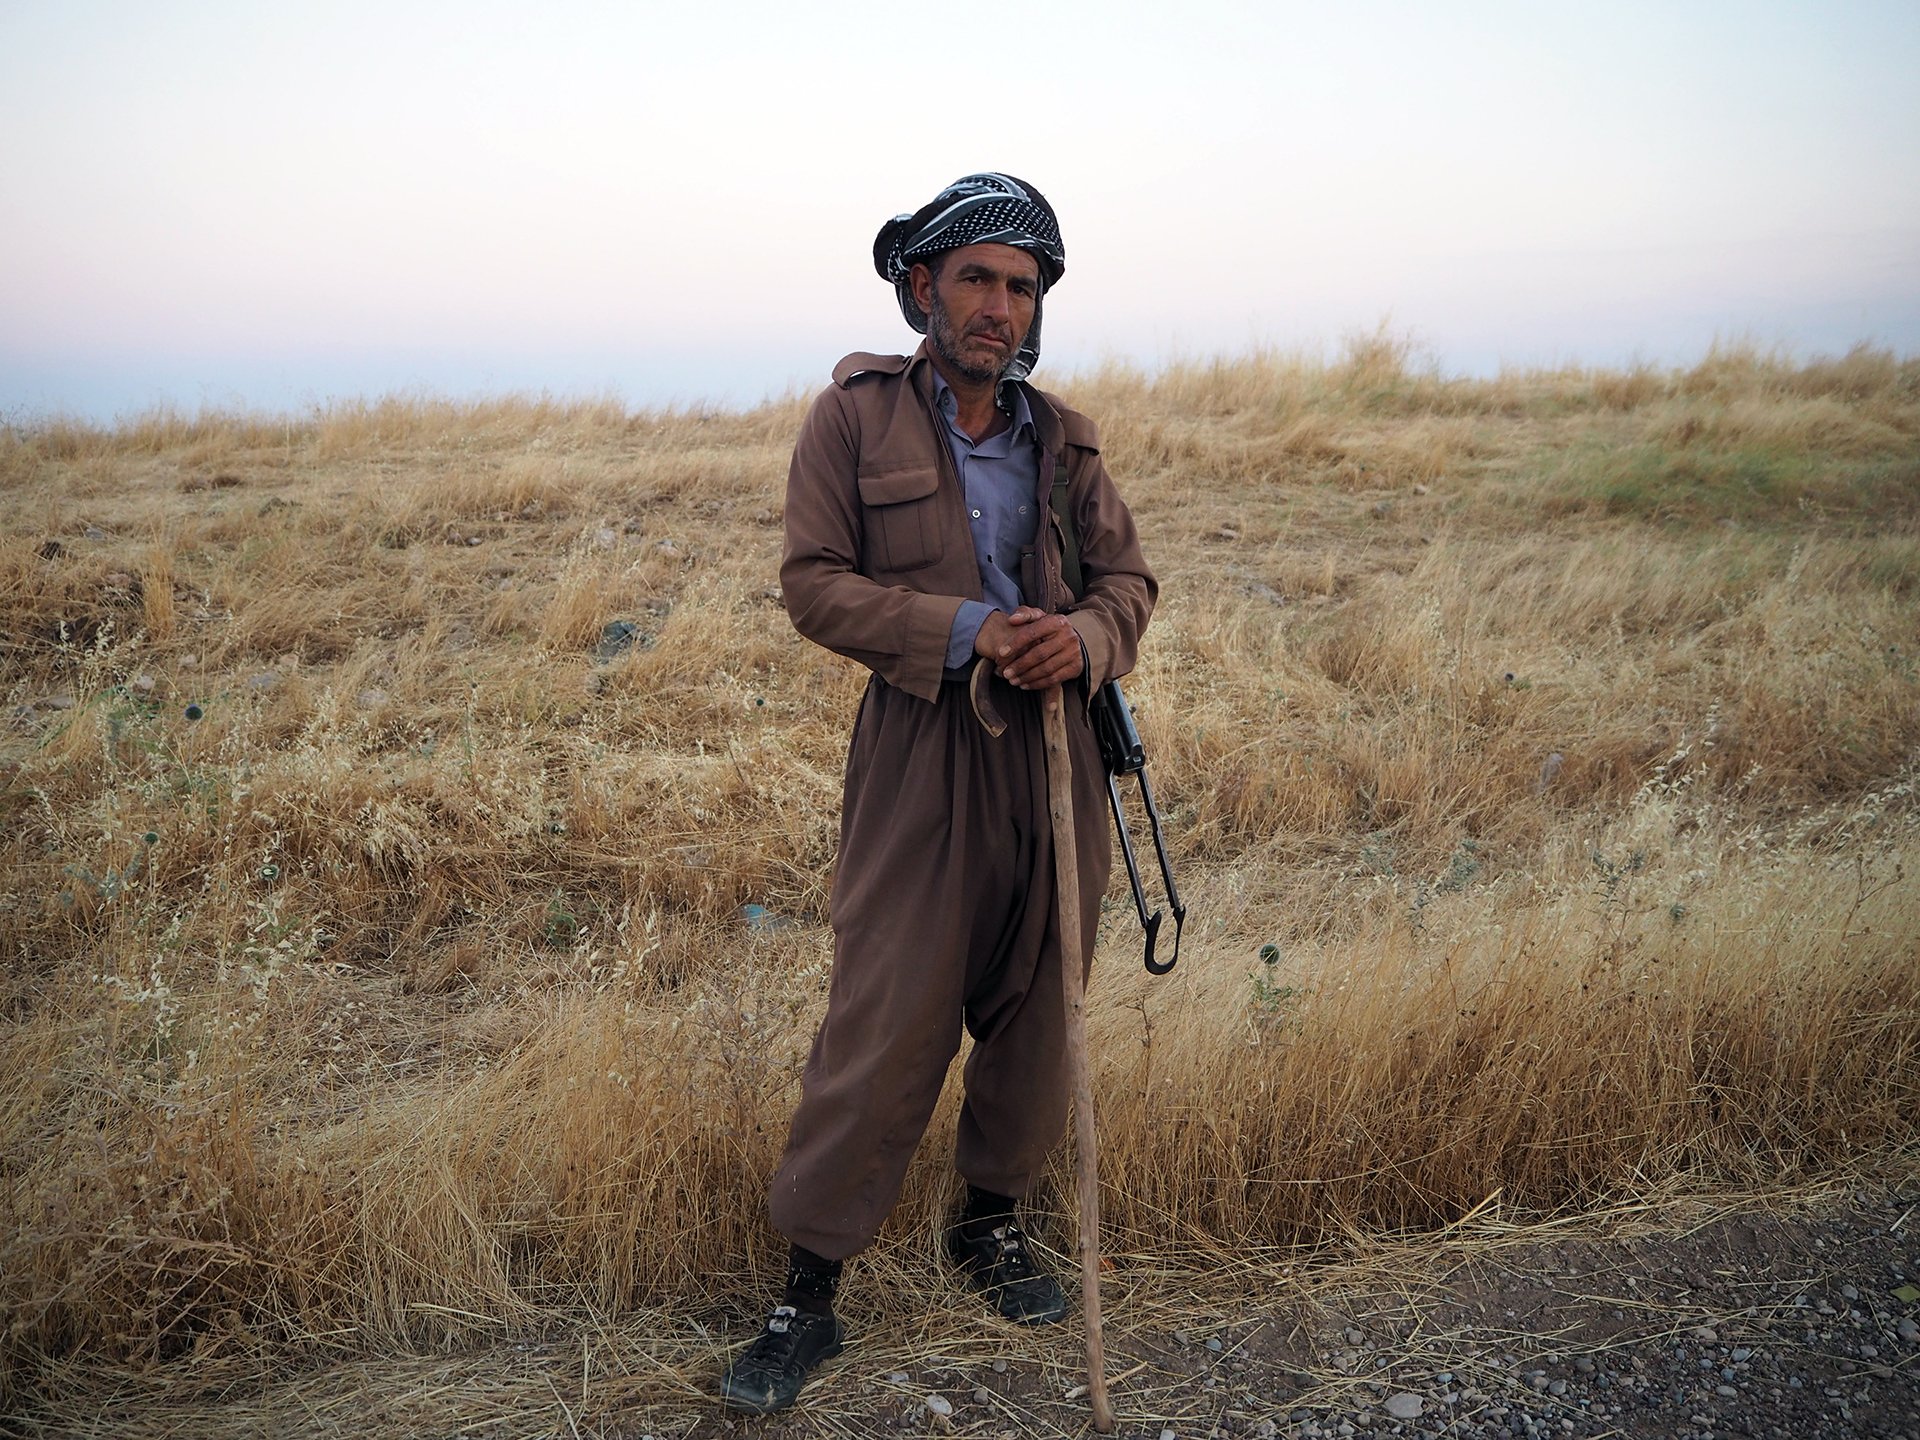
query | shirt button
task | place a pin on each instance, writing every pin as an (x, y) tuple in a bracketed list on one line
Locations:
[(976, 514)]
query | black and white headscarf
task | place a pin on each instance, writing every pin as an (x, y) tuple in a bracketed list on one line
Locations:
[(984, 209)]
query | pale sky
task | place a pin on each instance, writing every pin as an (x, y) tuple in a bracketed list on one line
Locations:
[(277, 204)]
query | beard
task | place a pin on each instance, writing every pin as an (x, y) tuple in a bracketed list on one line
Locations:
[(946, 343)]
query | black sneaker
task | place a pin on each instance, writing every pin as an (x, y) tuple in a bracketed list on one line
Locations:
[(776, 1365), (998, 1265)]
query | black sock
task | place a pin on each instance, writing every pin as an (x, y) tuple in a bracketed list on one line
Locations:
[(985, 1211), (811, 1281)]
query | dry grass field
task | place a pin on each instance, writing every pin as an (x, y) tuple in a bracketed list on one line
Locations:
[(382, 975)]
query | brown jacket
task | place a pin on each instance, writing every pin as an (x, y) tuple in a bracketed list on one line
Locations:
[(879, 554)]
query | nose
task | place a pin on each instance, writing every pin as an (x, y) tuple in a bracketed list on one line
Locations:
[(998, 304)]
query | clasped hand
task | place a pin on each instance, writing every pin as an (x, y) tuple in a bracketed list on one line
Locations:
[(1031, 648)]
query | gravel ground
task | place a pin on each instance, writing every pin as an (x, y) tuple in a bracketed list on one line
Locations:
[(1751, 1326), (1683, 1325), (1794, 1318)]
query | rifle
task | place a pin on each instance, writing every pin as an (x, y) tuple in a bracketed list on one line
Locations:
[(1123, 754)]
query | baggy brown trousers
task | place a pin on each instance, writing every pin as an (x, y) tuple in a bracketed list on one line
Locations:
[(943, 907)]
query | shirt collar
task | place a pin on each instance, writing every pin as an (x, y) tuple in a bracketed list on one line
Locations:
[(1020, 413)]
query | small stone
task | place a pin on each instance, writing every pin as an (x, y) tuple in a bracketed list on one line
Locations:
[(897, 1377), (1909, 1331), (1445, 1377), (1706, 1333), (1741, 1354), (1556, 1387), (939, 1404), (143, 683), (1354, 1337), (1264, 1429), (616, 638), (1583, 1363), (1549, 771), (999, 1367), (189, 662), (1227, 532), (605, 538), (1869, 1352), (1213, 1344), (1847, 1292), (1726, 1392), (1168, 1435), (94, 532), (1405, 1405), (1419, 489), (982, 1396)]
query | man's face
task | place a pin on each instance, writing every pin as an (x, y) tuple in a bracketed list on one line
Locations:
[(979, 309)]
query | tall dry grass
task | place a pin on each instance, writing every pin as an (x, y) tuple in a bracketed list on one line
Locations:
[(1539, 757)]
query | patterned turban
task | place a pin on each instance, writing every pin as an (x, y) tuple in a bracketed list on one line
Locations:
[(986, 209)]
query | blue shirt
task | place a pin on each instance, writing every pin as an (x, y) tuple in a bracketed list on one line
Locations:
[(999, 476)]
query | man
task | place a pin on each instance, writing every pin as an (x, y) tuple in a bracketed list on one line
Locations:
[(921, 542)]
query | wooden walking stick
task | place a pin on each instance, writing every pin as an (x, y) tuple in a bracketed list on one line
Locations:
[(1066, 882)]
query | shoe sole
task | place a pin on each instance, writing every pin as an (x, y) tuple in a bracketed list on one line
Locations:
[(1044, 1317)]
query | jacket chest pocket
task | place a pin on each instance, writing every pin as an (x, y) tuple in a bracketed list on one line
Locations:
[(902, 521)]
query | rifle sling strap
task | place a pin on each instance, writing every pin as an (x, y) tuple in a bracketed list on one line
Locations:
[(1069, 532)]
